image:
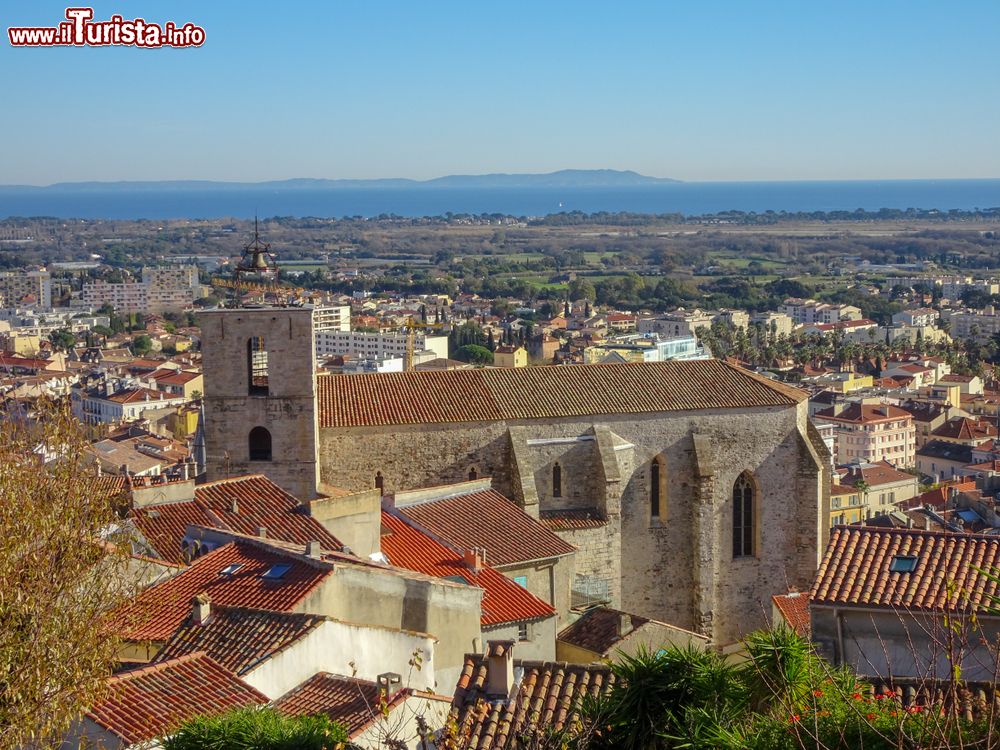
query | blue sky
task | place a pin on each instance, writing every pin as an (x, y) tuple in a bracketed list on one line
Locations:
[(363, 88)]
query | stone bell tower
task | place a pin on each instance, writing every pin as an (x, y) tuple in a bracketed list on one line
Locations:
[(260, 395)]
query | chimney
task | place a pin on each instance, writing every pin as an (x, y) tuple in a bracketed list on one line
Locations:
[(201, 609), (624, 624), (234, 507), (474, 558), (927, 523), (262, 532), (500, 663), (313, 550)]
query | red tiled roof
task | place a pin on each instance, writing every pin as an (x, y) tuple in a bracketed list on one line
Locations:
[(352, 703), (137, 395), (875, 475), (547, 697), (544, 392), (794, 607), (937, 498), (152, 701), (865, 413), (239, 638), (599, 629), (964, 428), (855, 569), (259, 502), (488, 520), (503, 600), (158, 611), (571, 520)]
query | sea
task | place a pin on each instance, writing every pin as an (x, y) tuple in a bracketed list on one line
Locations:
[(688, 198)]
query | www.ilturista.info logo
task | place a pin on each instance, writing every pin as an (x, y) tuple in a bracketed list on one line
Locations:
[(80, 30)]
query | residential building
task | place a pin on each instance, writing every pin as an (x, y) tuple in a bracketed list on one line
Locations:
[(882, 487), (499, 699), (510, 356), (965, 431), (870, 433), (649, 347), (774, 323), (603, 634), (378, 345), (24, 288), (922, 317), (809, 311), (941, 460), (676, 324), (108, 406), (882, 605), (332, 318)]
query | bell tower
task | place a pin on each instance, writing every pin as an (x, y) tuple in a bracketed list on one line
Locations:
[(260, 395)]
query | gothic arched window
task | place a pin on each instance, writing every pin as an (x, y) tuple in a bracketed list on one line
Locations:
[(260, 444), (257, 374), (557, 481), (655, 487), (743, 516)]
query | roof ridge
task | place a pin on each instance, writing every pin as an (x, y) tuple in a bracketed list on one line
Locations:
[(159, 666), (851, 528)]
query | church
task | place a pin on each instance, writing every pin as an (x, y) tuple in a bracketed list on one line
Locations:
[(692, 490)]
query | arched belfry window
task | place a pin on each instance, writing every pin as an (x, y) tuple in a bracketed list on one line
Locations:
[(257, 374), (379, 481), (557, 481), (260, 444), (744, 516), (656, 488)]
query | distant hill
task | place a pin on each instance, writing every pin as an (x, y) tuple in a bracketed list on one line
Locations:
[(563, 178)]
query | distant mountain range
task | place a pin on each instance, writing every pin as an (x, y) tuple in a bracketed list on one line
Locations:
[(569, 178)]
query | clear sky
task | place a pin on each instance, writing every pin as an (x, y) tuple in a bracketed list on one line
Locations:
[(700, 90)]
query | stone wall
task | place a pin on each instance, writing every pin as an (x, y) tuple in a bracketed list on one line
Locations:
[(288, 411), (679, 569)]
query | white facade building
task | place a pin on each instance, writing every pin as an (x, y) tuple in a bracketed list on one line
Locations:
[(376, 345)]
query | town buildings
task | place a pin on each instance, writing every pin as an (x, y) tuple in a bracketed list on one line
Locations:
[(871, 433)]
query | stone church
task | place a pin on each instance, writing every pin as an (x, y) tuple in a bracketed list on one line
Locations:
[(693, 490)]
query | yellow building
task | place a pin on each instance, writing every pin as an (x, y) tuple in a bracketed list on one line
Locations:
[(846, 505), (510, 356), (845, 382), (24, 344), (183, 423)]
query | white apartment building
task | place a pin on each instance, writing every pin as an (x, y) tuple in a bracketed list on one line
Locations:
[(967, 324), (376, 345), (807, 311), (162, 289), (331, 318), (921, 317)]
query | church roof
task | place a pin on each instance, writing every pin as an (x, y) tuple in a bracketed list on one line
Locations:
[(485, 395)]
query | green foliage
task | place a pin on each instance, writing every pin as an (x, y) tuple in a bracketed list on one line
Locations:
[(142, 344), (259, 729), (474, 354), (62, 339)]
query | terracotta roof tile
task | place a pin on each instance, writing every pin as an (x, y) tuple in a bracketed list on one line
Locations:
[(544, 392), (503, 600), (239, 638), (490, 521), (159, 611), (876, 474), (149, 702), (864, 413), (259, 502), (794, 607), (572, 520), (964, 428), (352, 703), (599, 629), (856, 569), (547, 696)]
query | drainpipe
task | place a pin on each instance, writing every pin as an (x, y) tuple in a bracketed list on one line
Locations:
[(838, 615)]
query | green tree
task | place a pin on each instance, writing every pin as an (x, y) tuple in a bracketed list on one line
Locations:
[(259, 729), (141, 345), (62, 339), (474, 354)]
